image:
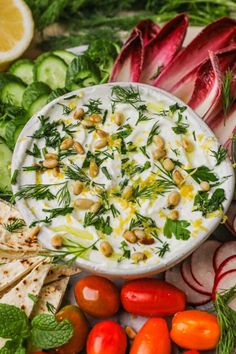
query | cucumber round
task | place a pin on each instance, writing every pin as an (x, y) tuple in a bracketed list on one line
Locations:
[(23, 69), (12, 92), (7, 77), (33, 92), (5, 163), (51, 70), (65, 55), (38, 104)]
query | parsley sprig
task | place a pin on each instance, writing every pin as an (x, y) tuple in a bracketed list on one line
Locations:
[(206, 204), (178, 228)]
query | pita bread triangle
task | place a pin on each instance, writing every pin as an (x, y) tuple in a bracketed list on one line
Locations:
[(60, 271)]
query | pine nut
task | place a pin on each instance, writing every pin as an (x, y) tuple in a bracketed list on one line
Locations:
[(119, 118), (101, 143), (159, 154), (79, 113), (77, 187), (130, 236), (83, 204), (67, 144), (51, 156), (173, 199), (87, 123), (138, 256), (34, 232), (187, 145), (147, 240), (174, 215), (79, 148), (159, 141), (93, 169), (106, 248), (168, 165), (50, 163), (95, 118), (57, 241), (139, 233), (127, 192), (102, 133), (95, 207), (131, 333), (177, 177), (205, 186)]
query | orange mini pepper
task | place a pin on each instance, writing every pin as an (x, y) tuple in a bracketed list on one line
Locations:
[(194, 329)]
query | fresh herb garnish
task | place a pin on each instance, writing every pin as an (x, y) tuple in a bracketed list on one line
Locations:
[(142, 117), (180, 128), (76, 173), (15, 225), (178, 228), (202, 173), (165, 179), (99, 222), (124, 247), (51, 308), (33, 297), (129, 95), (219, 155), (36, 152), (66, 110), (143, 149), (63, 195), (163, 249), (14, 176), (154, 131), (36, 191), (48, 131), (123, 132), (94, 106), (142, 221), (104, 116), (115, 212), (106, 173), (131, 169), (226, 96), (34, 168), (70, 129), (207, 205)]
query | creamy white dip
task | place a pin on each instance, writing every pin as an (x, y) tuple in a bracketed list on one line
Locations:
[(127, 165)]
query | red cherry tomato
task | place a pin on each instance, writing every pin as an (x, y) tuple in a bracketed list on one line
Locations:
[(191, 352), (153, 338), (152, 297), (107, 337), (97, 296)]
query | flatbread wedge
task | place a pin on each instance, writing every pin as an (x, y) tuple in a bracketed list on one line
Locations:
[(50, 297), (14, 271), (22, 294), (60, 271)]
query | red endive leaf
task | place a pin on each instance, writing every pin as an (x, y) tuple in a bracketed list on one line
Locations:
[(162, 49), (149, 30), (207, 93), (129, 62), (214, 37)]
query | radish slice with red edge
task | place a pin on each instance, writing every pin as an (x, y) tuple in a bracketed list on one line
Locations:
[(226, 282), (214, 37), (163, 48), (129, 62), (202, 264), (226, 266), (189, 279), (174, 277), (231, 221), (225, 251)]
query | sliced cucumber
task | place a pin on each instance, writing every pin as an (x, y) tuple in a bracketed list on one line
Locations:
[(5, 164), (57, 93), (23, 69), (65, 55), (51, 70), (7, 77), (33, 92), (12, 92), (38, 104)]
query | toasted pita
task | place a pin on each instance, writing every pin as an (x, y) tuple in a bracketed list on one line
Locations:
[(31, 284), (60, 271), (21, 241), (14, 271), (51, 295)]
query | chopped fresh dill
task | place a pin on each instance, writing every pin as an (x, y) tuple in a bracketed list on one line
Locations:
[(93, 106), (36, 152), (142, 221), (123, 132), (92, 157), (166, 178), (99, 222), (104, 116), (69, 97), (34, 168), (115, 212), (141, 114), (106, 173), (154, 131), (131, 169), (63, 195), (180, 128), (157, 73), (70, 129), (14, 225), (129, 95), (143, 149), (65, 153), (219, 155), (176, 152), (53, 214), (66, 110), (14, 176), (51, 308), (163, 249), (48, 131), (76, 173), (124, 247), (36, 191)]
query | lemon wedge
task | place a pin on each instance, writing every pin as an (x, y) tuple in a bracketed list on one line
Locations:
[(16, 30)]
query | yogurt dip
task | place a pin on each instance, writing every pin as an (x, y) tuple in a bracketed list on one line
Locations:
[(126, 178)]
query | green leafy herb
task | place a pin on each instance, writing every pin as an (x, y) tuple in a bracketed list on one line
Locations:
[(123, 132), (36, 191), (14, 322), (15, 225), (143, 149), (154, 131), (178, 228), (226, 96), (14, 177), (53, 214), (202, 173), (219, 155), (63, 195), (181, 128), (66, 110), (176, 152), (106, 173), (70, 129), (115, 212), (124, 247), (206, 204), (142, 117), (129, 95), (48, 131), (163, 249), (34, 168), (104, 116), (65, 153), (94, 106), (51, 308), (99, 222), (76, 173), (33, 297), (36, 152), (130, 168), (142, 221)]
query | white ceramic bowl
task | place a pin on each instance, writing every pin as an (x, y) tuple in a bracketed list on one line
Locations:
[(175, 256)]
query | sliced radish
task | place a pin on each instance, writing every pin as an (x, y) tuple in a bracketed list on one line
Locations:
[(225, 251), (189, 279), (231, 213), (202, 264), (226, 266), (173, 276), (226, 282)]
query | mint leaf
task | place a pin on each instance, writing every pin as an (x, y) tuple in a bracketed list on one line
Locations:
[(207, 205), (48, 333), (178, 228), (14, 322), (13, 347)]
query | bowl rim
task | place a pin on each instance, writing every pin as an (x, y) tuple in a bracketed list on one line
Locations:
[(141, 271)]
